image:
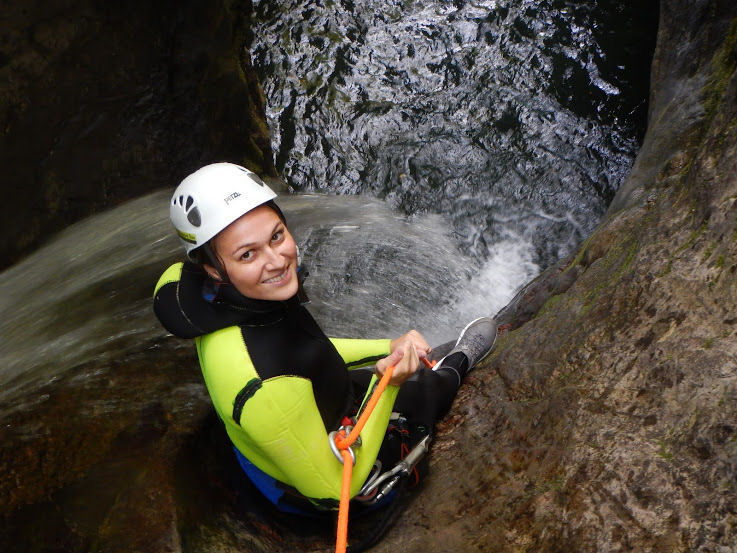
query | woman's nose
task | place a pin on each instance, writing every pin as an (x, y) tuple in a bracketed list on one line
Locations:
[(273, 259)]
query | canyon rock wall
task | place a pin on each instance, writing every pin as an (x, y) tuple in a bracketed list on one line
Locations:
[(101, 102)]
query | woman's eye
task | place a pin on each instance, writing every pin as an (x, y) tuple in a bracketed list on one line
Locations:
[(247, 255), (277, 236)]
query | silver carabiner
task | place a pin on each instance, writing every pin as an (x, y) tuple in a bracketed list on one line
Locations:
[(336, 451), (383, 484)]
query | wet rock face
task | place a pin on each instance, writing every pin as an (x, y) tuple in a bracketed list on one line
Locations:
[(605, 421), (102, 102)]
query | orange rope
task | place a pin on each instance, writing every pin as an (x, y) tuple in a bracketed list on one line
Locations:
[(341, 543), (344, 442)]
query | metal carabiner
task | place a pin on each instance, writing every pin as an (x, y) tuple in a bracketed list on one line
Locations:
[(401, 469), (336, 451), (369, 487)]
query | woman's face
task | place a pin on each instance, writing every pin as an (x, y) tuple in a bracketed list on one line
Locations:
[(259, 255)]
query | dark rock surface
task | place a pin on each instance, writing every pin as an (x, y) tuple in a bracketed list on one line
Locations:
[(103, 101), (606, 419)]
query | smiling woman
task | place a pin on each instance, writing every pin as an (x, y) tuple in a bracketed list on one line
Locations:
[(277, 382), (257, 254)]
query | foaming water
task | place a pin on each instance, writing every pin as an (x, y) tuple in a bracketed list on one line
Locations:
[(374, 272), (496, 281)]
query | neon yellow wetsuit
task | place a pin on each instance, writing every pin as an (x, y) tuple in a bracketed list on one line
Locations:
[(276, 381)]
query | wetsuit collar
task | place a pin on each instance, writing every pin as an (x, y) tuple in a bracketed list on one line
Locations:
[(224, 292)]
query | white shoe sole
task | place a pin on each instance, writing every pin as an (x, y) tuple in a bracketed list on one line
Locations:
[(460, 337)]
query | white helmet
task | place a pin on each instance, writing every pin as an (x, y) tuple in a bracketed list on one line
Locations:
[(211, 198)]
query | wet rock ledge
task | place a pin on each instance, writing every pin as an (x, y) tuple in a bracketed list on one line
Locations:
[(103, 101)]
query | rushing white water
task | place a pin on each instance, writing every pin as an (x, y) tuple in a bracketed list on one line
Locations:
[(83, 295), (374, 272)]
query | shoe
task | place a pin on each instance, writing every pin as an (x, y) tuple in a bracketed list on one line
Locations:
[(476, 340)]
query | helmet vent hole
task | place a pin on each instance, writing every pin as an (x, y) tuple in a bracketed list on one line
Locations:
[(194, 217), (190, 201), (181, 200)]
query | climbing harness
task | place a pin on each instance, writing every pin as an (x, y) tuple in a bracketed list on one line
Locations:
[(345, 437)]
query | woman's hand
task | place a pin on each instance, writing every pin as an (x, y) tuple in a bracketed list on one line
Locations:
[(416, 339), (405, 361)]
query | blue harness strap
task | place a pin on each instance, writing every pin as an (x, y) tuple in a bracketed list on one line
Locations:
[(268, 486), (276, 493)]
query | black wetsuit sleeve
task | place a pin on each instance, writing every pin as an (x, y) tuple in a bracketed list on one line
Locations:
[(170, 314)]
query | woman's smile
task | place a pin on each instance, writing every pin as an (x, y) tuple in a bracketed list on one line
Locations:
[(281, 279)]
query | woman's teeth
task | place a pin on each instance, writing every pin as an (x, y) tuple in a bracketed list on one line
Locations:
[(276, 278)]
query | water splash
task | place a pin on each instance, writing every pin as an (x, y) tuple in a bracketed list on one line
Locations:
[(84, 295), (375, 272)]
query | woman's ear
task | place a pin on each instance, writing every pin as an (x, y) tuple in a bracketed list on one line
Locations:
[(212, 271)]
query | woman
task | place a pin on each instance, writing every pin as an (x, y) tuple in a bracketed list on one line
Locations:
[(276, 381)]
